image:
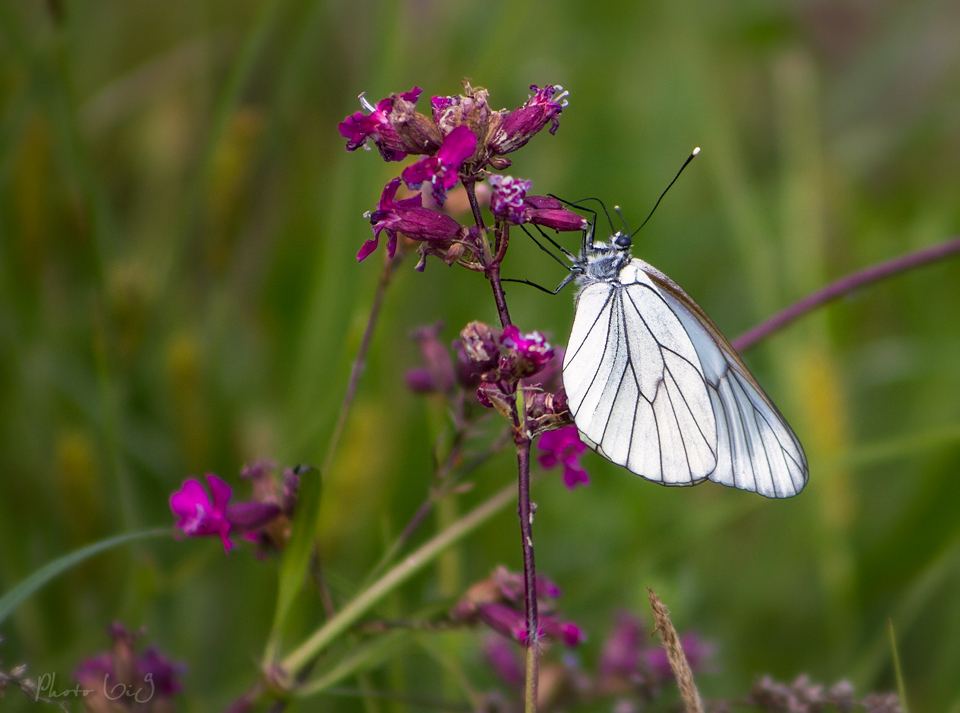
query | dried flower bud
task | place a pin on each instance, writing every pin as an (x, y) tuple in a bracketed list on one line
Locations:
[(470, 109), (418, 134), (481, 346)]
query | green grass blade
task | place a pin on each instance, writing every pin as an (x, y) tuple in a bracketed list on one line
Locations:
[(296, 557), (362, 658), (12, 599), (898, 672)]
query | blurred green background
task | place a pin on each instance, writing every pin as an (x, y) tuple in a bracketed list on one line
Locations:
[(179, 294)]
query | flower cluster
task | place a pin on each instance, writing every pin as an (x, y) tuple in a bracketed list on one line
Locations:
[(805, 696), (496, 363), (122, 679), (629, 670), (498, 602), (461, 141), (263, 520)]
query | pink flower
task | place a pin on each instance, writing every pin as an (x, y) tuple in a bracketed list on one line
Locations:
[(377, 126), (197, 514), (524, 354), (566, 631), (409, 217), (506, 201), (621, 650), (563, 446), (107, 675), (551, 213)]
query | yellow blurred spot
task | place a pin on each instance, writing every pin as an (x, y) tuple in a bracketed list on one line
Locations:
[(184, 369), (826, 421), (128, 296), (230, 182), (360, 480), (78, 484)]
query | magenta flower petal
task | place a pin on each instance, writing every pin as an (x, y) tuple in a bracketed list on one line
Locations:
[(566, 631), (442, 171), (502, 657), (563, 446), (221, 492), (197, 515), (525, 354)]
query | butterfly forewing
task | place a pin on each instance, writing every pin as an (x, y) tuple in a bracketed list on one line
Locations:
[(635, 386)]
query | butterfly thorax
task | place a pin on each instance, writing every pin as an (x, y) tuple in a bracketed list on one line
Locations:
[(602, 262)]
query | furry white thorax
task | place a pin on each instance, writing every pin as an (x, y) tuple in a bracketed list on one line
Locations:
[(602, 261)]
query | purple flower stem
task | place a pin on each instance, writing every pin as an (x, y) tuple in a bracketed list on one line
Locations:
[(492, 270), (360, 362), (843, 286), (522, 443), (525, 511)]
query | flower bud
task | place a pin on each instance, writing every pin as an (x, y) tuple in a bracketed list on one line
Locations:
[(520, 125), (481, 346), (436, 358)]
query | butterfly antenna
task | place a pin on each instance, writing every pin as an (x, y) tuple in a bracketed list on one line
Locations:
[(623, 220), (685, 164)]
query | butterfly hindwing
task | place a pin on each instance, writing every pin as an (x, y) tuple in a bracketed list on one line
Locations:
[(757, 450)]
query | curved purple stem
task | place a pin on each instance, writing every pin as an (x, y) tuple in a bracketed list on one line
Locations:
[(843, 286)]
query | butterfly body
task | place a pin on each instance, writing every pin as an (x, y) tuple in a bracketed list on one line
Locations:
[(653, 386)]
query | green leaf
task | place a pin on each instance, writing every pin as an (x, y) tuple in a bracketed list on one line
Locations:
[(296, 556), (12, 599)]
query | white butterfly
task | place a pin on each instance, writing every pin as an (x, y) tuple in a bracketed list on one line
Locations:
[(654, 386)]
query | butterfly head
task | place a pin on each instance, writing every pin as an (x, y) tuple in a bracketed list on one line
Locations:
[(621, 241)]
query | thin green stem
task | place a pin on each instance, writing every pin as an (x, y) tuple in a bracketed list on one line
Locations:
[(359, 363)]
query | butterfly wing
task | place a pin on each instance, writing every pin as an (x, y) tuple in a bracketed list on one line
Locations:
[(634, 383), (756, 448)]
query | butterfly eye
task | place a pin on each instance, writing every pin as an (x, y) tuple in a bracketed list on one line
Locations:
[(622, 241)]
